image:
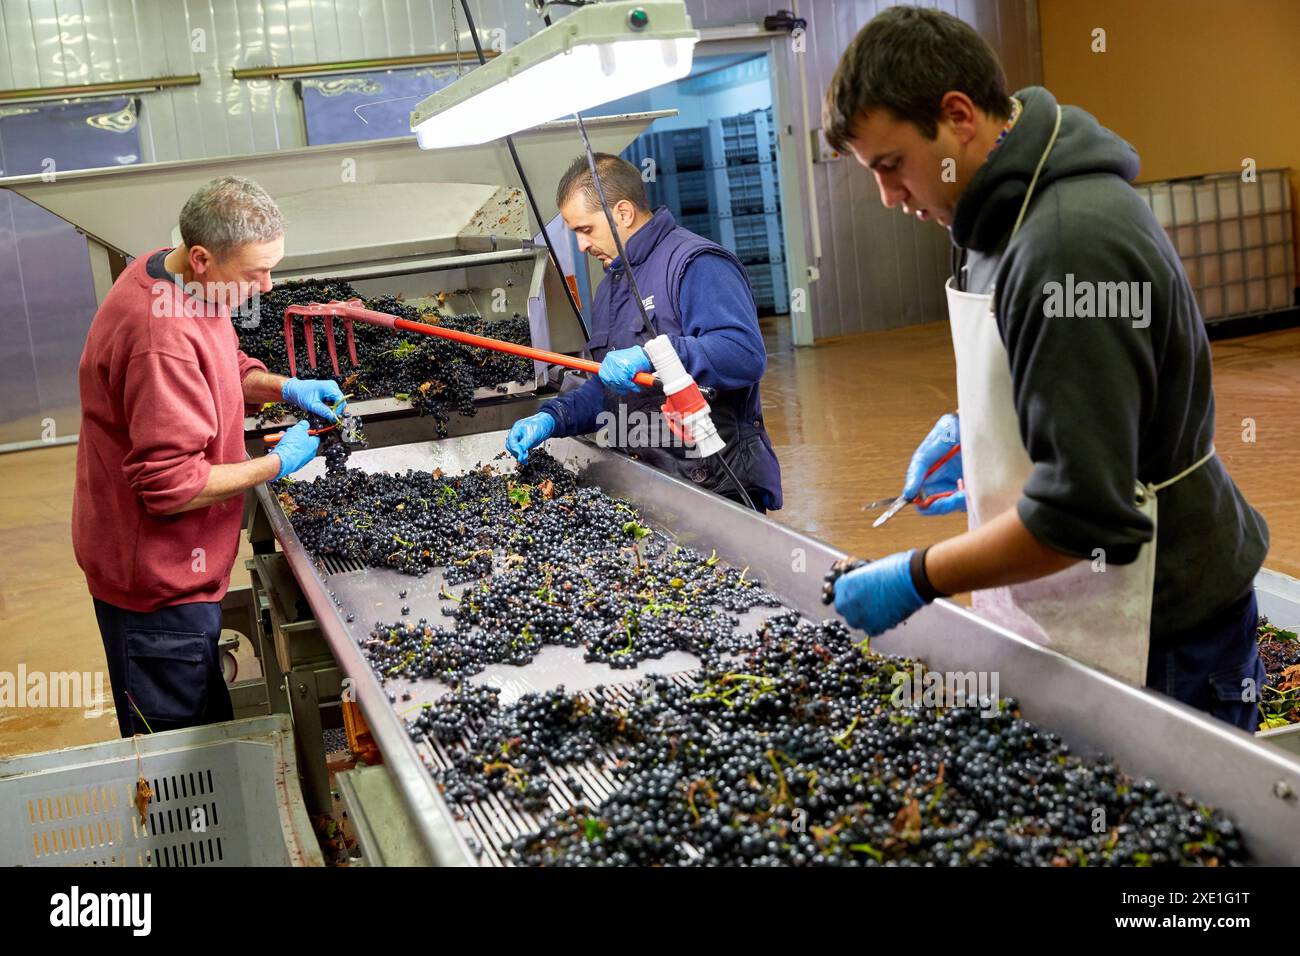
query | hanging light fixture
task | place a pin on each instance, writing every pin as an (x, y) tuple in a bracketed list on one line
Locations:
[(599, 53)]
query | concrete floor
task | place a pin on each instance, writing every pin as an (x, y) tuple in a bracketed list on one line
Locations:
[(844, 417)]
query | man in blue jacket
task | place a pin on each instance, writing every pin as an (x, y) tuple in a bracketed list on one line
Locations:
[(696, 293)]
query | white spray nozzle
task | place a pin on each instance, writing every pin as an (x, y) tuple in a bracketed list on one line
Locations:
[(697, 424)]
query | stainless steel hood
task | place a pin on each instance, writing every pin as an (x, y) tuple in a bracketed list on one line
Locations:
[(132, 209), (377, 223)]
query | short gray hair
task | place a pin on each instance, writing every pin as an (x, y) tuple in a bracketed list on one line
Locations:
[(230, 212)]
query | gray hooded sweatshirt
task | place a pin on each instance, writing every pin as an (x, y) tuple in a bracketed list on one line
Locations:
[(1104, 400)]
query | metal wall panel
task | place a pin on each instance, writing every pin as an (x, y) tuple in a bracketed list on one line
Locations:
[(44, 29), (61, 42)]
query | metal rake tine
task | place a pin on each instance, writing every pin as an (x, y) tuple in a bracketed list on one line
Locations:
[(352, 341), (329, 341), (288, 341), (340, 307), (311, 340)]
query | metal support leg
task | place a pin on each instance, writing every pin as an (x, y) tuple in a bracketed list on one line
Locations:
[(307, 731)]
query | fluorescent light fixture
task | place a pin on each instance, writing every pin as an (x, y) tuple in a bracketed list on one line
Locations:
[(596, 54)]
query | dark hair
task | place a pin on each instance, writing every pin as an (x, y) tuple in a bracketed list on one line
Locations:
[(619, 178), (905, 60)]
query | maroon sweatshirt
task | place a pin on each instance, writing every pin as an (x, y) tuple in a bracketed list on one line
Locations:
[(161, 403)]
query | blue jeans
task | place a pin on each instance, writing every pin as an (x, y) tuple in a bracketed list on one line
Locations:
[(1214, 667), (167, 661)]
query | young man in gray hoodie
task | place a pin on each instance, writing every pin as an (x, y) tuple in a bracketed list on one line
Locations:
[(1086, 407)]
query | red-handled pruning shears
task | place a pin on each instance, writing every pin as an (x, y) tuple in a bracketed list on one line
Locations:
[(274, 438), (902, 501)]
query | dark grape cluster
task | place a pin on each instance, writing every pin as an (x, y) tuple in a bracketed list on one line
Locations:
[(455, 714), (837, 570), (553, 564), (1279, 649), (800, 753), (437, 376), (539, 730), (337, 439)]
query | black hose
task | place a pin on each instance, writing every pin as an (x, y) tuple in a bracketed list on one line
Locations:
[(613, 227), (739, 487), (528, 191)]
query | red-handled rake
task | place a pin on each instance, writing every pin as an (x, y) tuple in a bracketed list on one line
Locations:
[(351, 311)]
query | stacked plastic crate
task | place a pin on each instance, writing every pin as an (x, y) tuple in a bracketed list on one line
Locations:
[(743, 148), (1235, 238), (720, 181)]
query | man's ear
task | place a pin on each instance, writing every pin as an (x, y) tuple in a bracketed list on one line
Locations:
[(626, 212), (200, 259), (960, 113)]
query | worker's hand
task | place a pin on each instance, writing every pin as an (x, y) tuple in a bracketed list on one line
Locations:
[(943, 436), (621, 365), (294, 449), (528, 433), (880, 595), (315, 395)]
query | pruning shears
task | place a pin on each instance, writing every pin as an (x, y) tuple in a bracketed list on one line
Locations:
[(351, 433), (902, 501)]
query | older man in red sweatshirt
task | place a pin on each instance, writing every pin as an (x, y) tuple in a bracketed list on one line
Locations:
[(161, 468)]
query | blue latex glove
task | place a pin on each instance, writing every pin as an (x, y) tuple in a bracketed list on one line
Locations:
[(620, 365), (528, 433), (315, 395), (880, 595), (295, 449), (945, 433)]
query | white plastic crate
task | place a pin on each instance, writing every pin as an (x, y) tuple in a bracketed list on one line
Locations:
[(1235, 239), (744, 138), (767, 280), (224, 794), (1221, 195), (753, 188), (753, 238)]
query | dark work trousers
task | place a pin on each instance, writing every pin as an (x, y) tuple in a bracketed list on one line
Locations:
[(167, 660), (1216, 668)]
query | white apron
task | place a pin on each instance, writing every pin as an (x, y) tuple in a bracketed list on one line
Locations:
[(1099, 617)]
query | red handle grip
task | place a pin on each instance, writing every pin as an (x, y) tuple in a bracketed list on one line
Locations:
[(947, 457)]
